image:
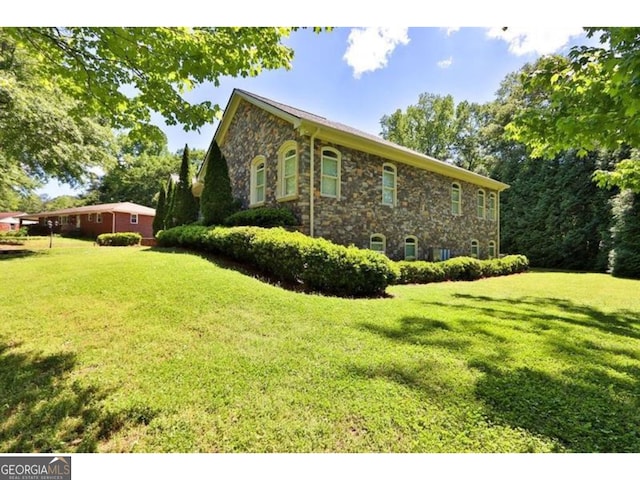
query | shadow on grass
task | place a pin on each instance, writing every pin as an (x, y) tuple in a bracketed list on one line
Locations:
[(591, 403), (12, 254), (622, 322), (41, 410), (592, 413)]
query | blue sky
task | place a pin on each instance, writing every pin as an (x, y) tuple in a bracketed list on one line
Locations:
[(357, 75)]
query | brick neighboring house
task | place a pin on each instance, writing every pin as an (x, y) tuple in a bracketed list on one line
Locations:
[(352, 187), (92, 220), (9, 222)]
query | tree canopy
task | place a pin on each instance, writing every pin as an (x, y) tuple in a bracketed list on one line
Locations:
[(125, 74), (589, 100)]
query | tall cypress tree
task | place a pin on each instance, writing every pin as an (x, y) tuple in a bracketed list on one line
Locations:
[(169, 217), (216, 202), (185, 208), (625, 257), (158, 220)]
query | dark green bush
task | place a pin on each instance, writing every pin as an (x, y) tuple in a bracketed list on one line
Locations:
[(22, 232), (420, 272), (262, 217), (460, 268), (316, 263), (122, 239)]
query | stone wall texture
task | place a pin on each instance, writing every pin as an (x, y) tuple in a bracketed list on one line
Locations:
[(422, 210)]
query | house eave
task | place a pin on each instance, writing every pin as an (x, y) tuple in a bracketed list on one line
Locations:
[(400, 154)]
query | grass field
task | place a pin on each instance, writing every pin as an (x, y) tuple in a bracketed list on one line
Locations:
[(135, 349)]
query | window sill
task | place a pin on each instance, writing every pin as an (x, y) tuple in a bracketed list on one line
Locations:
[(288, 198), (257, 204)]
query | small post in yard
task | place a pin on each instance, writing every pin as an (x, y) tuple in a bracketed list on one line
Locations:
[(51, 224)]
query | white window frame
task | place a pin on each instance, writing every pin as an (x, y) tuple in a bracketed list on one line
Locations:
[(411, 239), (324, 178), (287, 147), (481, 204), (255, 164), (98, 217), (90, 217), (456, 205), (475, 245), (131, 217), (493, 203), (390, 169), (382, 242), (64, 220), (492, 249)]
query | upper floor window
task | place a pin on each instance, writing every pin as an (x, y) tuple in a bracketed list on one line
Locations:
[(480, 204), (389, 184), (475, 249), (492, 249), (257, 185), (330, 173), (134, 218), (410, 248), (288, 170), (377, 243), (456, 199), (492, 206)]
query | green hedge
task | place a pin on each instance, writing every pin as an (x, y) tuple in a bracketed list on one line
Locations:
[(460, 268), (323, 266), (22, 232), (122, 239), (316, 263), (262, 217)]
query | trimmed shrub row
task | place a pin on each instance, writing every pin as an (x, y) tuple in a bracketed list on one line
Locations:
[(262, 217), (123, 239), (22, 232), (316, 263), (459, 268)]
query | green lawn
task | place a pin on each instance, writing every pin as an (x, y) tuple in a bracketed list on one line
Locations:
[(132, 349)]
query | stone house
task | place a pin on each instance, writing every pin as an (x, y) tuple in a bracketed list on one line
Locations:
[(352, 187)]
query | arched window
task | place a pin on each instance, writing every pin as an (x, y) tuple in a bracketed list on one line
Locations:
[(258, 180), (410, 248), (475, 249), (389, 184), (492, 249), (456, 199), (330, 173), (378, 243), (492, 206), (480, 209), (288, 170)]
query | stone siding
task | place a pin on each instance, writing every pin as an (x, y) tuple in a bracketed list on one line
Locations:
[(423, 206), (254, 132)]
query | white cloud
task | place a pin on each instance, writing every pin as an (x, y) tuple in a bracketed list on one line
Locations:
[(369, 48), (452, 30), (534, 40), (445, 63)]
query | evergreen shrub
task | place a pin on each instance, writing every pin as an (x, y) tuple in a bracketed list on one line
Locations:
[(122, 239)]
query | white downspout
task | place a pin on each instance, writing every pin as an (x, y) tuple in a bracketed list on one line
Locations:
[(312, 181), (113, 222), (498, 219)]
